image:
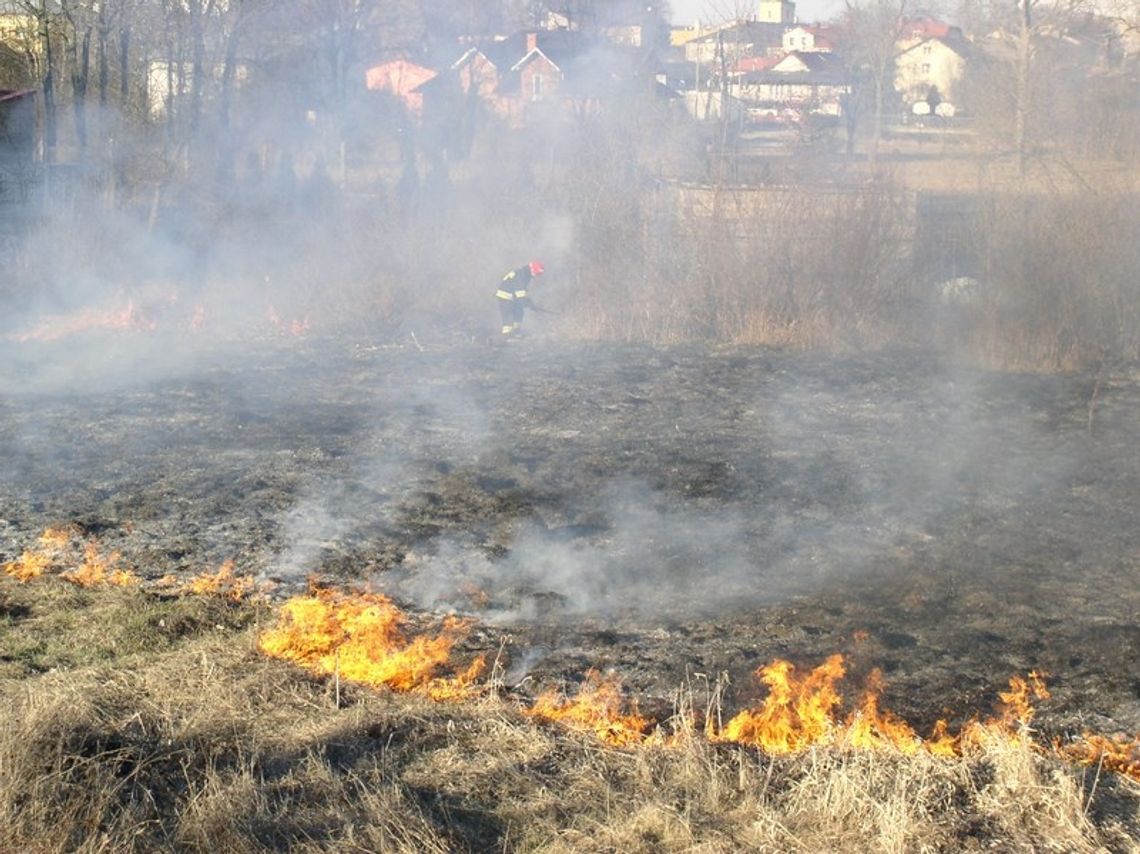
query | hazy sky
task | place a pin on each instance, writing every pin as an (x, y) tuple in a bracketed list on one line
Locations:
[(688, 11)]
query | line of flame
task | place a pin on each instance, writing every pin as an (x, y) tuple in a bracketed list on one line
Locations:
[(360, 638)]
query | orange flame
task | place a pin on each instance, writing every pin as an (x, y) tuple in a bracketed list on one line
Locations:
[(799, 711), (197, 318), (598, 707), (870, 728), (28, 565), (942, 742), (55, 327), (360, 638), (33, 564), (1119, 753), (296, 327), (1015, 713), (96, 570), (803, 710), (221, 583)]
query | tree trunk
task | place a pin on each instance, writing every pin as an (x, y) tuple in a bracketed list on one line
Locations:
[(50, 128), (124, 65), (229, 70), (80, 65), (1021, 108), (877, 124), (198, 12), (103, 27)]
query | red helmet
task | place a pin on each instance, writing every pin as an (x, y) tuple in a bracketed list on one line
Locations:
[(536, 268)]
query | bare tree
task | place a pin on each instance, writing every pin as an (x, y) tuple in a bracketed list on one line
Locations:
[(869, 36), (1028, 76), (41, 52)]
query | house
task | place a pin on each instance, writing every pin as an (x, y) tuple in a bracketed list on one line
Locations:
[(681, 36), (678, 76), (914, 31), (776, 12), (626, 23), (475, 71), (807, 83), (627, 35), (537, 75), (17, 125), (546, 71), (402, 79), (488, 77), (931, 72), (806, 38), (755, 63), (734, 41)]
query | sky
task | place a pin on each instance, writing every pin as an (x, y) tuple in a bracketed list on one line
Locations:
[(687, 11)]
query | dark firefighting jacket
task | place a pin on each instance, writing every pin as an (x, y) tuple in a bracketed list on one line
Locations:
[(515, 284)]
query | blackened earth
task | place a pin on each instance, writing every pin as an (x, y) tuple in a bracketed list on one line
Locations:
[(672, 514)]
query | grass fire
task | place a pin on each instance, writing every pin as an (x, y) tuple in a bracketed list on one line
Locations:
[(191, 716), (523, 427), (308, 607), (362, 639)]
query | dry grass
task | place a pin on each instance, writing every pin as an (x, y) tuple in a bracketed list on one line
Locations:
[(196, 741)]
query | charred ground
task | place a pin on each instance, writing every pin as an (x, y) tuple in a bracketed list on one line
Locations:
[(670, 513)]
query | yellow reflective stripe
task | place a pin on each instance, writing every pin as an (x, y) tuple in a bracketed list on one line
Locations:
[(501, 294), (520, 294)]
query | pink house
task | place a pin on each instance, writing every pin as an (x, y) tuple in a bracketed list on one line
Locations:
[(400, 78), (539, 75)]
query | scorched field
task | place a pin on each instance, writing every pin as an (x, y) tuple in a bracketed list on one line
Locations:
[(766, 552)]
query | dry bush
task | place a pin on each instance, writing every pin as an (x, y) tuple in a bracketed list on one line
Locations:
[(1026, 799), (1061, 286), (214, 748), (806, 267), (894, 803)]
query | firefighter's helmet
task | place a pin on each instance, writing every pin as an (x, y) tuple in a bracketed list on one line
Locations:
[(536, 268)]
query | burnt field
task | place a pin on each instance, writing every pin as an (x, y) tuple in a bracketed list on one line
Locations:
[(671, 514)]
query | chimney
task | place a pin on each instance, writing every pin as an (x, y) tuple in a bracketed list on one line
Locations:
[(531, 41)]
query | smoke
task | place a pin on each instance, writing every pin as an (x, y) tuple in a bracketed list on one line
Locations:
[(650, 556), (819, 479), (364, 495), (258, 276)]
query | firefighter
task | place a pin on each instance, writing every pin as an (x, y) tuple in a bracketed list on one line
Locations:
[(513, 298)]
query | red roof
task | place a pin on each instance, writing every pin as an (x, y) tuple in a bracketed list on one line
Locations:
[(15, 94), (755, 63), (399, 77), (820, 31), (926, 28)]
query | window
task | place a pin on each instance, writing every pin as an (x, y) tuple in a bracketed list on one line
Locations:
[(928, 49), (536, 87), (925, 68)]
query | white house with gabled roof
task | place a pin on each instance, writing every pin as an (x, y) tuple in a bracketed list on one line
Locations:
[(932, 65)]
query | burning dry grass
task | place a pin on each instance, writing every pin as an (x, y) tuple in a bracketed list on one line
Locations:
[(225, 582), (59, 550), (182, 735), (53, 328), (598, 707), (361, 637)]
